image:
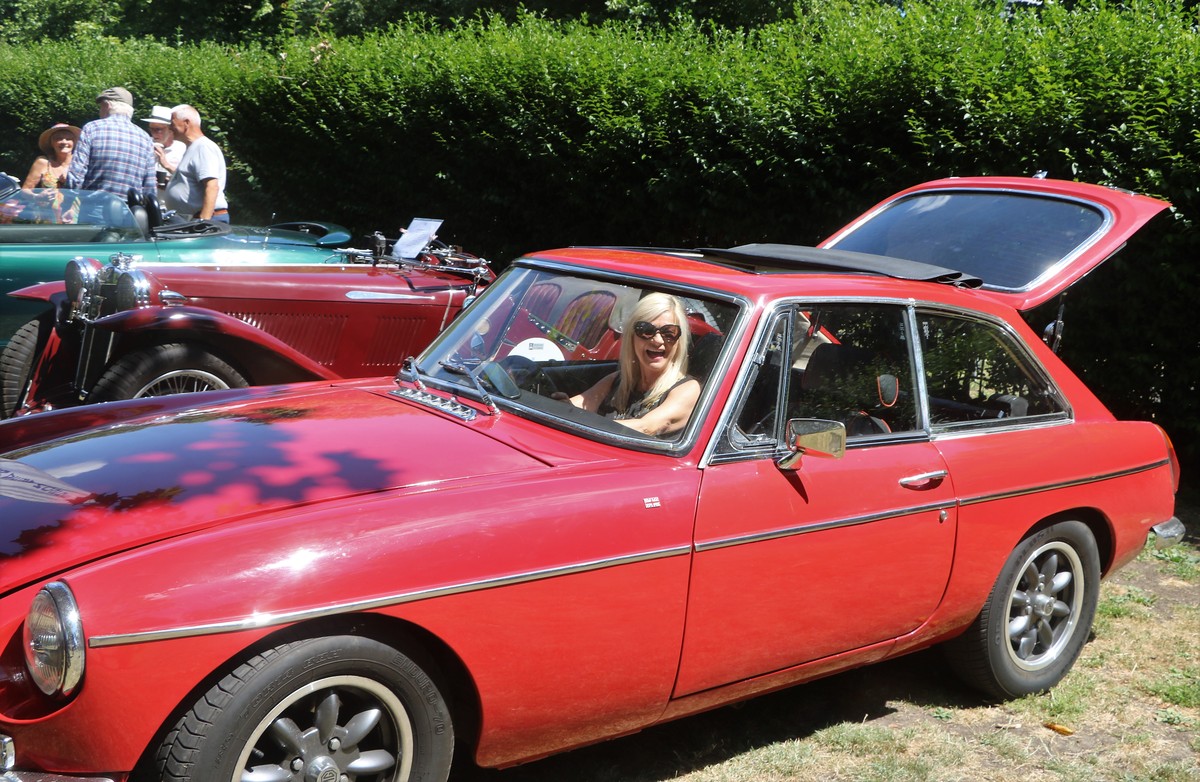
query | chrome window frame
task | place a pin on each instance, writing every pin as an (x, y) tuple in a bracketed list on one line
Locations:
[(926, 430)]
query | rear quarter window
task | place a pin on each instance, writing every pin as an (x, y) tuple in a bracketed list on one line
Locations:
[(977, 373)]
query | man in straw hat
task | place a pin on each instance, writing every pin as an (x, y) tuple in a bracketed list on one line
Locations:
[(168, 150), (113, 154)]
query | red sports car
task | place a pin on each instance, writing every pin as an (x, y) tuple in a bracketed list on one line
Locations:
[(624, 486)]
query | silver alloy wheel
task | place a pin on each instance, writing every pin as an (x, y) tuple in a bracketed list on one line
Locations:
[(1044, 605), (306, 739), (181, 381)]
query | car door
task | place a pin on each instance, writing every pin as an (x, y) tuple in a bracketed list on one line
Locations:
[(795, 565)]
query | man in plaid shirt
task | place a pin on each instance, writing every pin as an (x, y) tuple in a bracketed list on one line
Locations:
[(112, 153)]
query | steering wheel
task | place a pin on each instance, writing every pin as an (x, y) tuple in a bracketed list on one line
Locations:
[(528, 375)]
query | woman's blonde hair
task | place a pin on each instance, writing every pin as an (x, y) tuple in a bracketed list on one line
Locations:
[(648, 308)]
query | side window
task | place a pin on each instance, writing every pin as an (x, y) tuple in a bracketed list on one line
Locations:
[(852, 364), (976, 371), (847, 363)]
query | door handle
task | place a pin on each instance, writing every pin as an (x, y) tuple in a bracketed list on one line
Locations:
[(925, 480)]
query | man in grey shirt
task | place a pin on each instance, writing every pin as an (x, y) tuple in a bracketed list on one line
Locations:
[(197, 188)]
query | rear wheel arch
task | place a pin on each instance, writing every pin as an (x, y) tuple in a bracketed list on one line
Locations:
[(1095, 520)]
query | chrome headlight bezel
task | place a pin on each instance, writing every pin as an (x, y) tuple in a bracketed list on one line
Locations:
[(81, 279), (53, 641), (134, 290)]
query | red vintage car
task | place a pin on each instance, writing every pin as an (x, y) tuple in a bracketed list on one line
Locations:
[(857, 456), (125, 330)]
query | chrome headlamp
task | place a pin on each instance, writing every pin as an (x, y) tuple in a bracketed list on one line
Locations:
[(53, 641), (81, 275), (134, 289)]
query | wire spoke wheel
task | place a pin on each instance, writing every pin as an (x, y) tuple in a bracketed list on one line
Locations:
[(158, 370), (182, 381)]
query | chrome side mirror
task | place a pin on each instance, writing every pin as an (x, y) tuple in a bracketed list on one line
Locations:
[(813, 437)]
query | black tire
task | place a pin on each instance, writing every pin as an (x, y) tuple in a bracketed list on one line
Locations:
[(1037, 618), (16, 364), (310, 709), (174, 368)]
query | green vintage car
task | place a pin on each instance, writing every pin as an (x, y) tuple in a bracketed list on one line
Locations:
[(41, 230)]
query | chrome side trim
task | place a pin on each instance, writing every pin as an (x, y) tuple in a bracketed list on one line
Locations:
[(1006, 495), (821, 526), (274, 620), (384, 296)]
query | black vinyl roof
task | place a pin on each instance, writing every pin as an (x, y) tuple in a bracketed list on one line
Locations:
[(768, 258)]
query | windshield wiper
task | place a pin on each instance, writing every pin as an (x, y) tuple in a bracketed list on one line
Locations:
[(462, 370)]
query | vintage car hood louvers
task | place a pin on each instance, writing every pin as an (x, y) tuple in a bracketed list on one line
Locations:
[(113, 487)]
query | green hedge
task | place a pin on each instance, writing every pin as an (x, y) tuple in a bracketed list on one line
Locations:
[(534, 133)]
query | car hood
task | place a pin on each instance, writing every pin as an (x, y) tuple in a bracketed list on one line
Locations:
[(118, 484), (1027, 239)]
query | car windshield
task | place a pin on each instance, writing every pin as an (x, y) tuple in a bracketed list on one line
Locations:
[(1008, 240), (59, 216), (549, 344)]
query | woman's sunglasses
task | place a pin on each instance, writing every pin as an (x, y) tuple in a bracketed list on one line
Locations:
[(647, 330)]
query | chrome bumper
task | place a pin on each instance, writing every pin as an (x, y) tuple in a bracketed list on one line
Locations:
[(1168, 533)]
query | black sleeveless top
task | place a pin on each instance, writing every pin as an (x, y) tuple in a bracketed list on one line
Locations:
[(637, 408)]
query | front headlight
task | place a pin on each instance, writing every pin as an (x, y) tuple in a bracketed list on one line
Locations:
[(134, 290), (81, 277), (53, 638)]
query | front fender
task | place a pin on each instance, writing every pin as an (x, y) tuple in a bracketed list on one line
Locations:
[(184, 318), (42, 291)]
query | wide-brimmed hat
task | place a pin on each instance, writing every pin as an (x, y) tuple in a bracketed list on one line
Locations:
[(159, 115), (116, 93), (44, 139)]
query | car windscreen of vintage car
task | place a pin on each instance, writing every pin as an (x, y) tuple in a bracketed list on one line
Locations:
[(60, 216), (537, 341), (1009, 240)]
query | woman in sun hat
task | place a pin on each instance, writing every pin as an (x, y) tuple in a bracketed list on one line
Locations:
[(50, 170)]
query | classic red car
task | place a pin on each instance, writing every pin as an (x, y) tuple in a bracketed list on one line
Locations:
[(125, 330), (863, 456)]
